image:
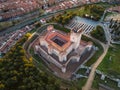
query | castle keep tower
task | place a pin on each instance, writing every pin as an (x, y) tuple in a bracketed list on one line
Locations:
[(75, 37)]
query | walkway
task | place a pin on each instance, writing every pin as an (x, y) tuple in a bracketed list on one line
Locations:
[(93, 69)]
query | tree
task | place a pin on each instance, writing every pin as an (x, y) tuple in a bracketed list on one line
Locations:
[(99, 34), (18, 73)]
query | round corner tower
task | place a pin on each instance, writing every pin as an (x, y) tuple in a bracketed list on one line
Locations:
[(50, 28)]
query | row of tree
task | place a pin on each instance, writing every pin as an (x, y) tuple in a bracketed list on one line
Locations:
[(88, 11), (99, 34), (115, 29), (19, 73), (64, 19)]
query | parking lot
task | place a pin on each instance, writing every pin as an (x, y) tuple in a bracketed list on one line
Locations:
[(84, 24)]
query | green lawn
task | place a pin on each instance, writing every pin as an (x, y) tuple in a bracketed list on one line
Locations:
[(111, 63)]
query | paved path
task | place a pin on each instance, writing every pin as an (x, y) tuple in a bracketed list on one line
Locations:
[(93, 69)]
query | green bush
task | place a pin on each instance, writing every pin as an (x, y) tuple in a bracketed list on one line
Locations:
[(19, 73), (99, 34)]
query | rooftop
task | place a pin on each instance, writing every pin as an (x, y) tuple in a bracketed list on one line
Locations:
[(58, 40)]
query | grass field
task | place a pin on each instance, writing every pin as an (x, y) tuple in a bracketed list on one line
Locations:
[(111, 63)]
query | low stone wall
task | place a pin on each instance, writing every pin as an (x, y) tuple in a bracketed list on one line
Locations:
[(48, 57)]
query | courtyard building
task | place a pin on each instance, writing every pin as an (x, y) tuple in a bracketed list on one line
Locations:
[(60, 48)]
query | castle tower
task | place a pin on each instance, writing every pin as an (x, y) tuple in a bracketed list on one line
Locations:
[(63, 69), (76, 37), (50, 28)]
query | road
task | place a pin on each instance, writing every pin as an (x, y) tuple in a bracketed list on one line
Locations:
[(27, 22), (31, 20)]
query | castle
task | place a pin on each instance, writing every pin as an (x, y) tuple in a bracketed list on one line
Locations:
[(60, 48)]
